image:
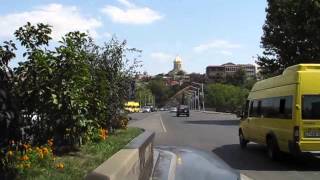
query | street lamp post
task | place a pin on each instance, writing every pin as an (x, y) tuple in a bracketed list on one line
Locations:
[(194, 98), (202, 93)]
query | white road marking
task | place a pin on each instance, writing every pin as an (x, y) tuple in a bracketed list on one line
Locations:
[(163, 127)]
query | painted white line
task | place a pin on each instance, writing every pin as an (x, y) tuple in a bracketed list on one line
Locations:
[(163, 127)]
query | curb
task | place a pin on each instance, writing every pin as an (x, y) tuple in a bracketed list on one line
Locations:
[(215, 112)]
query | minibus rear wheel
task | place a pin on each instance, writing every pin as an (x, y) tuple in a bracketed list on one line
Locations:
[(272, 148), (243, 142)]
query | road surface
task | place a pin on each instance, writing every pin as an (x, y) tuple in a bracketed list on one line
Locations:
[(218, 133)]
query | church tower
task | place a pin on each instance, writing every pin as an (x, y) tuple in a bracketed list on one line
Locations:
[(177, 64)]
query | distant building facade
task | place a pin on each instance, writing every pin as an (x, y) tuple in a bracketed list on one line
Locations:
[(219, 73)]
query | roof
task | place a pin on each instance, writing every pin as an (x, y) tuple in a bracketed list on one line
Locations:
[(177, 59), (289, 76), (228, 64)]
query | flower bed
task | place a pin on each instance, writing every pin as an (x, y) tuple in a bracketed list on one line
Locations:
[(41, 163)]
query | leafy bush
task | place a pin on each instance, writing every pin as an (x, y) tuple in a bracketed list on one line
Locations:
[(66, 92), (225, 97)]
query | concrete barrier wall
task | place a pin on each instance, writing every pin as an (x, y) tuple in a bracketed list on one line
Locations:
[(134, 162)]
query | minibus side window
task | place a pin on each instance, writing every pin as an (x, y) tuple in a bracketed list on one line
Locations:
[(246, 110), (258, 112), (251, 108), (267, 107), (282, 106), (288, 107)]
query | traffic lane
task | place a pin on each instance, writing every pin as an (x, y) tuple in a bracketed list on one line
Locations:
[(138, 116), (200, 130), (254, 162), (218, 133)]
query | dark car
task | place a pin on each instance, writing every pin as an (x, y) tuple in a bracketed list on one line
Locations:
[(183, 110)]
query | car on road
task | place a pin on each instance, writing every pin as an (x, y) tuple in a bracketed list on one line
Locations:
[(283, 112), (146, 109), (173, 109), (183, 110)]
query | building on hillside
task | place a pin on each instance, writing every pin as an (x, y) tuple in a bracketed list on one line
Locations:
[(176, 76), (143, 77), (219, 73)]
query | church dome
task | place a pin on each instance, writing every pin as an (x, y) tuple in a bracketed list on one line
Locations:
[(178, 59)]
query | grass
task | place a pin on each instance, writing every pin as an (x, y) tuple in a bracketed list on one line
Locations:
[(90, 156)]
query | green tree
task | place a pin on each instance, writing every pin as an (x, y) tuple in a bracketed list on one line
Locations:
[(8, 114), (160, 90), (225, 97), (143, 94), (67, 92), (291, 35)]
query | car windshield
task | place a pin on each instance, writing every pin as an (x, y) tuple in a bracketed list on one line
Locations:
[(311, 107)]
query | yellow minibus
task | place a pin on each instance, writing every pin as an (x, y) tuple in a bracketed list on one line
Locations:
[(283, 112)]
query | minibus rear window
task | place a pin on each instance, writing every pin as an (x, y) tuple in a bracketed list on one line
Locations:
[(311, 107)]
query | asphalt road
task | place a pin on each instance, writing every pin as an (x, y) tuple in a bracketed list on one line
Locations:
[(217, 133)]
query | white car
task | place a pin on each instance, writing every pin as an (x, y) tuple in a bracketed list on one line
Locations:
[(173, 109), (146, 109)]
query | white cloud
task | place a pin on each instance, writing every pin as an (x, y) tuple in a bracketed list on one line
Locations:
[(62, 19), (225, 52), (106, 35), (131, 14), (126, 3), (162, 57), (222, 45)]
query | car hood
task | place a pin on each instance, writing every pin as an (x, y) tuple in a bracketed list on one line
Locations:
[(200, 165)]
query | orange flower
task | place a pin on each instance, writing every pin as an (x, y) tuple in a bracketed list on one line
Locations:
[(10, 153), (27, 165), (40, 155), (24, 158), (50, 142), (45, 151), (25, 146), (103, 133), (60, 165)]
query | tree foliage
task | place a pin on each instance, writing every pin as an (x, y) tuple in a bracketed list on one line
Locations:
[(66, 92), (291, 35), (225, 97)]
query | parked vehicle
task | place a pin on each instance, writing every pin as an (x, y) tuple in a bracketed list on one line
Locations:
[(183, 110), (283, 112)]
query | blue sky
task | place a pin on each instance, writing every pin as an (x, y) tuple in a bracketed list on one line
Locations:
[(203, 32)]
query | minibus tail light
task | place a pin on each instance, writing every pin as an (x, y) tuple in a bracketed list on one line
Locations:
[(296, 133)]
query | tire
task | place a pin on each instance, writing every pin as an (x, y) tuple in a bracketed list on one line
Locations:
[(273, 151), (188, 115), (178, 115), (242, 141)]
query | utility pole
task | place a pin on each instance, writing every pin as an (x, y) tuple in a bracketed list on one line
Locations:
[(202, 97), (198, 99), (202, 93)]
